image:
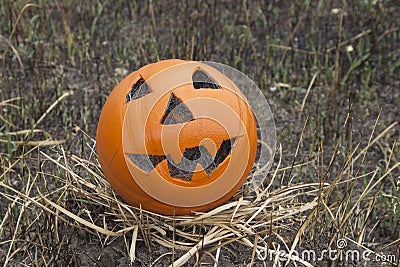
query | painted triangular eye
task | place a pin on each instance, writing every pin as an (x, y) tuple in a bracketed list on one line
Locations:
[(176, 112), (138, 90), (201, 80), (146, 162)]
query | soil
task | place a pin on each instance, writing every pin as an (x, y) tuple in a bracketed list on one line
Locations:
[(90, 86)]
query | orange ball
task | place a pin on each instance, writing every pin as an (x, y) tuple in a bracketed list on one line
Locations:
[(175, 137)]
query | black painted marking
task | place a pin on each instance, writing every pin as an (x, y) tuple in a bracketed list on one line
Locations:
[(184, 170), (224, 150), (191, 157), (201, 80), (146, 162), (176, 112), (138, 90)]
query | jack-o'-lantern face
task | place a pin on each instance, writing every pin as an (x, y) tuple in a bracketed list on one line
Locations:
[(187, 137)]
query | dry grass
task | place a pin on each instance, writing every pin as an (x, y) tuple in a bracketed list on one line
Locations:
[(236, 221), (75, 192)]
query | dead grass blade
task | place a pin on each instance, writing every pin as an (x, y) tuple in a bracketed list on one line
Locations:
[(66, 94)]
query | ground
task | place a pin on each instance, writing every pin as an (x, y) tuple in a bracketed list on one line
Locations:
[(329, 70)]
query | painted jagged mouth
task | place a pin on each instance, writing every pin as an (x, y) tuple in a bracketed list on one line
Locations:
[(185, 168)]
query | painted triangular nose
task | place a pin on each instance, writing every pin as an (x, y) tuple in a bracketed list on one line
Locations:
[(176, 112)]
